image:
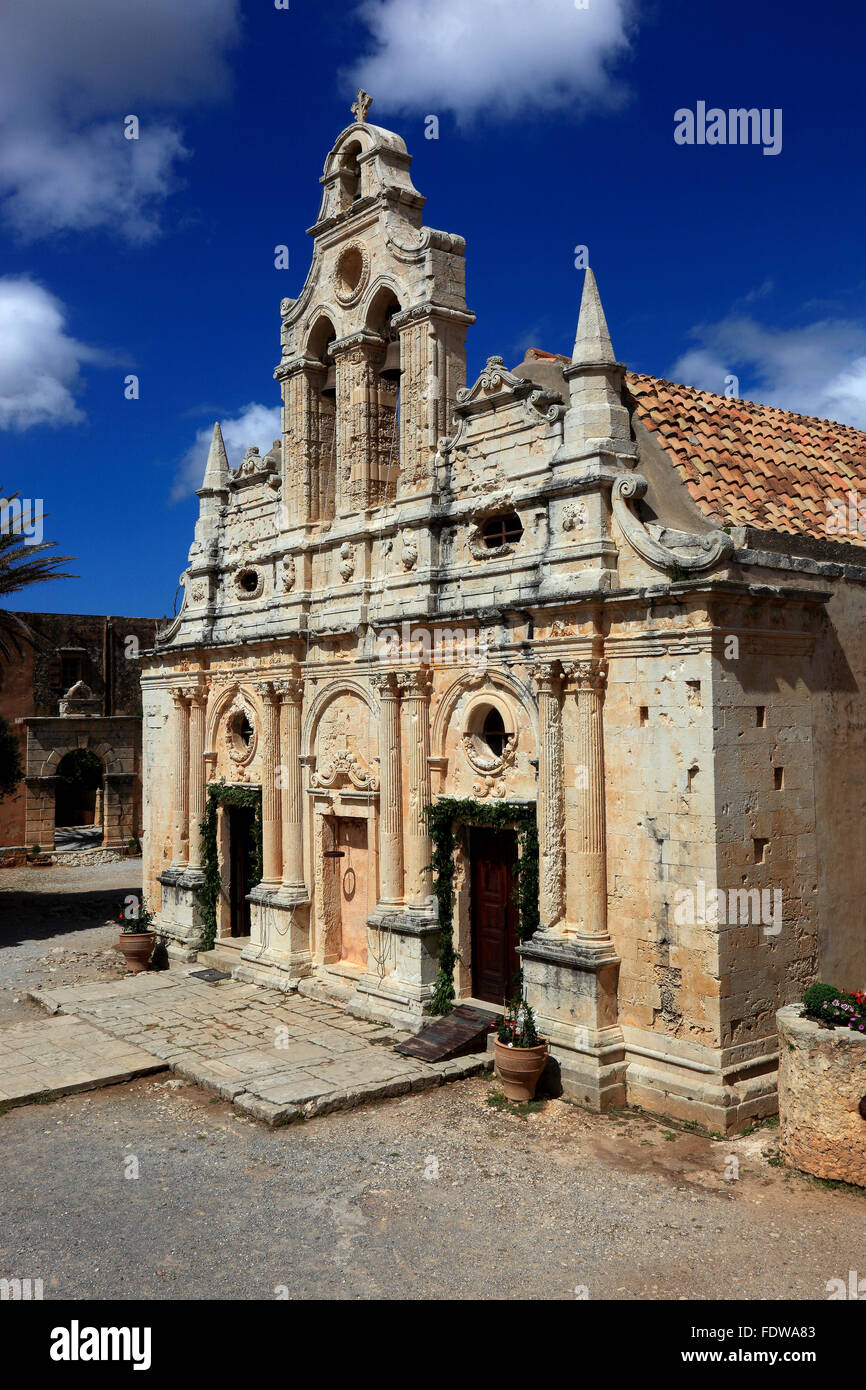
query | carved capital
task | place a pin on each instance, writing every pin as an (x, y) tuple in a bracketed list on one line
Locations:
[(416, 685), (546, 676), (290, 689), (386, 685), (267, 691), (590, 674)]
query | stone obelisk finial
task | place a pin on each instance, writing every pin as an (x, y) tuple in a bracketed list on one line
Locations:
[(361, 106)]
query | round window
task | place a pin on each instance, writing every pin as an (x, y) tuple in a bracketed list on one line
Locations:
[(248, 580)]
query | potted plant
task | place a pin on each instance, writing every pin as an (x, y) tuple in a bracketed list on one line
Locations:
[(137, 938), (521, 1055)]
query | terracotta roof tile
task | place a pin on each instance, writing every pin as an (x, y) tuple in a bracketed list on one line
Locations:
[(754, 465)]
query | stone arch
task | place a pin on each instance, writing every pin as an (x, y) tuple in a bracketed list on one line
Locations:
[(377, 302), (470, 682), (110, 760), (326, 697), (220, 703)]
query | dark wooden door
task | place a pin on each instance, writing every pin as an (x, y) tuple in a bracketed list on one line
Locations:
[(240, 833), (494, 914)]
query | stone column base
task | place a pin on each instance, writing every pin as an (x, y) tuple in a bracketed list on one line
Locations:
[(571, 983), (278, 954), (402, 964), (179, 919)]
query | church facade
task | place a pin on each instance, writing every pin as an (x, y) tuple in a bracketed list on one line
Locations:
[(594, 620)]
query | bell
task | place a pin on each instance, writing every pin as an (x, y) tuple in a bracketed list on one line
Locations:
[(330, 387), (391, 369)]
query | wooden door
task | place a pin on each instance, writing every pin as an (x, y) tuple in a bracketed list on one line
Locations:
[(495, 962), (352, 875), (240, 834)]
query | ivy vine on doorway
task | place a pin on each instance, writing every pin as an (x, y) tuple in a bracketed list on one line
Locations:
[(225, 794), (443, 819)]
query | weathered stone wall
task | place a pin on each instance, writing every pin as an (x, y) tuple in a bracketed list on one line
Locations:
[(822, 1081)]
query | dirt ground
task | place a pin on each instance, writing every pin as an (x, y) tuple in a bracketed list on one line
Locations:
[(154, 1189)]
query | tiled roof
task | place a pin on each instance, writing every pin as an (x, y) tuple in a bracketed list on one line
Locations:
[(754, 465)]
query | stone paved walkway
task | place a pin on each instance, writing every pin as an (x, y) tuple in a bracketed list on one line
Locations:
[(56, 1056), (278, 1058)]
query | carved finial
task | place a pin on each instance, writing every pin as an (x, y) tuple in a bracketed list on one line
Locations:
[(592, 345), (361, 106)]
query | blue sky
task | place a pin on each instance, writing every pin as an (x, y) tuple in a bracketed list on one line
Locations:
[(556, 130)]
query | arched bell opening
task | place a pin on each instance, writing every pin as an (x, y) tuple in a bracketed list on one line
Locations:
[(324, 442), (349, 174), (383, 309)]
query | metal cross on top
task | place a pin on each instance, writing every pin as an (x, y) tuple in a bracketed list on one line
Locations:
[(360, 107)]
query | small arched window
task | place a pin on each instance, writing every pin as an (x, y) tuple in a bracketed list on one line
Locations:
[(501, 530)]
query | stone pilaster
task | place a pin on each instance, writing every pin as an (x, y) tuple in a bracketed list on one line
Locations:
[(181, 779), (547, 677), (359, 360), (291, 693), (309, 461), (415, 687), (272, 857), (589, 860), (390, 791), (197, 705), (433, 359)]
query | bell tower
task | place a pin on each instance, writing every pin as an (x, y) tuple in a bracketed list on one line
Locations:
[(373, 349)]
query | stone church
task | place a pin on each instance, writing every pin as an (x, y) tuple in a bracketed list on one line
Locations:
[(567, 597)]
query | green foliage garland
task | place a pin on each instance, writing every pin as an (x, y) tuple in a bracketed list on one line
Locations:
[(225, 794), (442, 818)]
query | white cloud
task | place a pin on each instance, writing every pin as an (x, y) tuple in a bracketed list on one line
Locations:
[(39, 363), (819, 369), (69, 74), (435, 55), (255, 424)]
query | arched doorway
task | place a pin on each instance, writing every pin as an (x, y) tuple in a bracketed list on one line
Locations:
[(78, 795)]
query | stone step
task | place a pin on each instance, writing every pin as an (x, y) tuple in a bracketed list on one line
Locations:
[(219, 959)]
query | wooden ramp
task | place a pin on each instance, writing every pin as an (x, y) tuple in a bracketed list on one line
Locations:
[(464, 1030)]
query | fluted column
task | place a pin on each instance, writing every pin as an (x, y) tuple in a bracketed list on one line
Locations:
[(390, 790), (415, 687), (272, 854), (589, 863), (181, 778), (291, 693), (198, 702), (547, 677)]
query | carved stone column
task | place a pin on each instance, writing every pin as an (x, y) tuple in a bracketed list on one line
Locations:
[(359, 359), (415, 687), (181, 778), (589, 863), (308, 442), (291, 693), (390, 790), (198, 702), (272, 857), (547, 677)]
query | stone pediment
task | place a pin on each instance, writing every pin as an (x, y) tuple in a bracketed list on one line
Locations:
[(256, 468), (497, 385), (80, 699)]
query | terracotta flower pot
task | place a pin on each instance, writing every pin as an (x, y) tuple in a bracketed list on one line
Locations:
[(519, 1068), (137, 947)]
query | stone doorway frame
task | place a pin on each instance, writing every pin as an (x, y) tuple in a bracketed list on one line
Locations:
[(328, 807)]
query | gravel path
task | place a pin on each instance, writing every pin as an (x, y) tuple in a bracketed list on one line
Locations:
[(428, 1196), (52, 928), (436, 1195)]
